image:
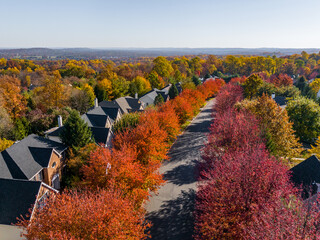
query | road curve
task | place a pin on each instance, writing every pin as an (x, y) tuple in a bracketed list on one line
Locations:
[(171, 209)]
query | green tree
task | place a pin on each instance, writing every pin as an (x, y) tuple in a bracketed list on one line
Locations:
[(163, 67), (127, 122), (196, 80), (252, 85), (120, 87), (305, 115), (21, 128), (158, 100), (76, 133), (173, 91)]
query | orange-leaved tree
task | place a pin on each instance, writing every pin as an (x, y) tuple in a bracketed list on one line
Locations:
[(103, 214)]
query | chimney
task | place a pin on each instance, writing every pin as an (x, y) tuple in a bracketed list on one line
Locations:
[(60, 124), (273, 95), (136, 96), (96, 104)]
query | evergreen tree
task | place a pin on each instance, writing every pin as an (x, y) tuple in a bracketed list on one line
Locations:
[(173, 91), (158, 100), (196, 80), (76, 133), (21, 128)]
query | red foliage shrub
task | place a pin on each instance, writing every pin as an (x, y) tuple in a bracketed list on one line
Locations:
[(281, 80), (239, 186), (104, 214), (231, 131), (229, 95), (238, 80)]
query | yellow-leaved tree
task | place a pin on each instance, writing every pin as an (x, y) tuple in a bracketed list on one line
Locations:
[(275, 125)]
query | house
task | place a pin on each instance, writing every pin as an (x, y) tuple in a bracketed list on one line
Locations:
[(34, 158), (280, 100), (148, 98), (126, 104), (179, 88), (307, 175), (113, 113), (95, 120), (16, 198)]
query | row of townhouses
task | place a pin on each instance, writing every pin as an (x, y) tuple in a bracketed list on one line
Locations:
[(32, 169)]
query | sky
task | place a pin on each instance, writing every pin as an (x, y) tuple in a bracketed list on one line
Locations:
[(160, 23)]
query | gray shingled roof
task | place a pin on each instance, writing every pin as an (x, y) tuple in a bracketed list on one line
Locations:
[(149, 97), (100, 134), (306, 172), (111, 112), (26, 158), (16, 197), (95, 120), (126, 104)]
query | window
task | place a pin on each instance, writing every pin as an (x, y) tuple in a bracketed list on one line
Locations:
[(40, 176), (54, 165)]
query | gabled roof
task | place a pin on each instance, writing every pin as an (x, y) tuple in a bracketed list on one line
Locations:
[(94, 120), (101, 134), (306, 172), (109, 104), (16, 197), (129, 104), (26, 158), (111, 112), (126, 104), (280, 100)]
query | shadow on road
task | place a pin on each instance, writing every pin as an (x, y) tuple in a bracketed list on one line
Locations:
[(180, 175), (175, 219)]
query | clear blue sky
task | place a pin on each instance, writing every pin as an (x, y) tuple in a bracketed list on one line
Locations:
[(160, 23)]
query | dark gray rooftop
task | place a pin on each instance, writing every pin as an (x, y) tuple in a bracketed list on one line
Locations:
[(26, 158), (16, 197)]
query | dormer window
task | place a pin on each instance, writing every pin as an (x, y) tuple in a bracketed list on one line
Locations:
[(54, 165)]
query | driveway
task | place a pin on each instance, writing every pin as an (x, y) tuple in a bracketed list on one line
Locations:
[(171, 209)]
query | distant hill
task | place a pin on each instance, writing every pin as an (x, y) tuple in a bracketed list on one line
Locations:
[(88, 53)]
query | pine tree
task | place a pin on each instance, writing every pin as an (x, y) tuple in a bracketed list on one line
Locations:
[(158, 100), (196, 80), (173, 91), (76, 133)]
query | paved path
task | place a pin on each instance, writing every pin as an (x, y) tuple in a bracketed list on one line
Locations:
[(171, 209)]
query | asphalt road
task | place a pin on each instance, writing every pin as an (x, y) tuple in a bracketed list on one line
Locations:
[(171, 209)]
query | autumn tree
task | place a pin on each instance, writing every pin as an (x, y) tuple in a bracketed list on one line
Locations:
[(155, 80), (251, 86), (103, 90), (12, 100), (141, 86), (5, 143), (90, 93), (80, 100), (236, 190), (231, 131), (127, 122), (120, 87), (282, 80), (51, 94), (75, 133), (305, 115), (6, 124), (228, 96), (274, 120), (162, 67), (103, 214)]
